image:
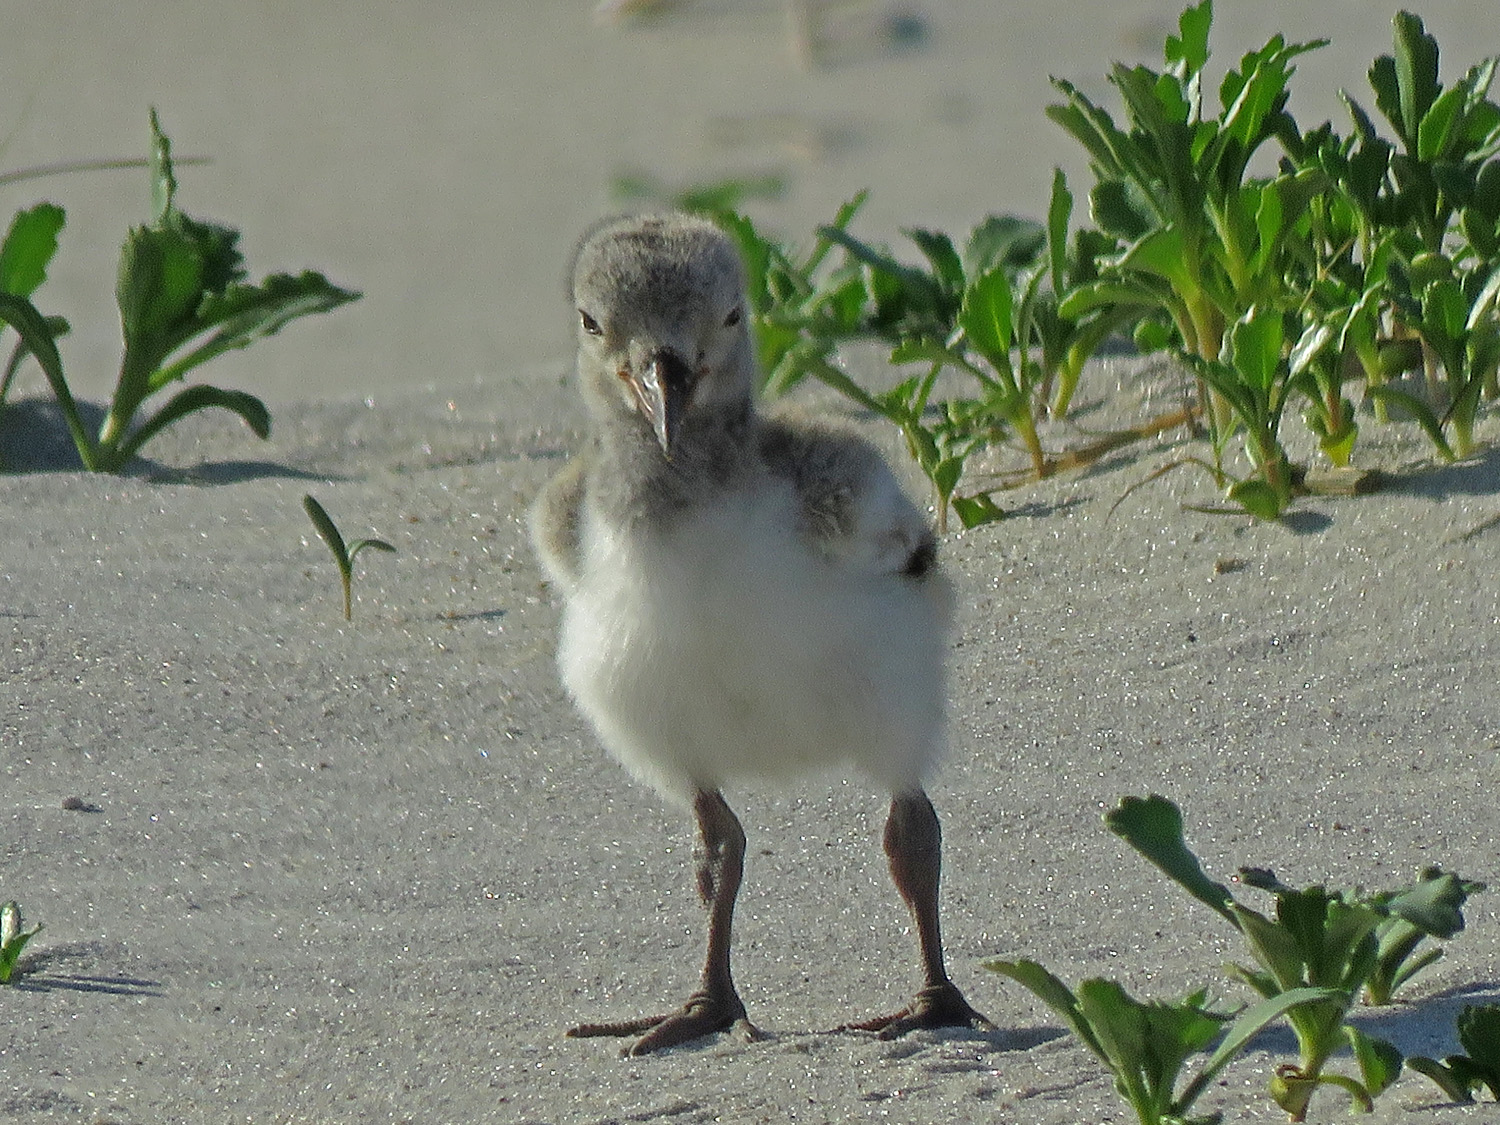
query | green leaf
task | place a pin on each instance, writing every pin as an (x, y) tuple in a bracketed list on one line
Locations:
[(1162, 253), (368, 544), (1002, 240), (1479, 1032), (1153, 827), (922, 445), (945, 473), (218, 246), (160, 285), (841, 221), (1152, 335), (1445, 312), (1144, 1044), (1434, 904), (1487, 189), (246, 313), (883, 263), (925, 351), (1120, 209), (28, 248), (985, 317), (1416, 70), (1480, 232), (188, 401), (755, 253), (976, 511), (13, 938), (1258, 498), (163, 182), (38, 335), (939, 251), (1379, 1061), (728, 195), (1055, 994), (1059, 211), (1485, 302), (1255, 348), (1277, 947), (1246, 1026), (329, 532), (1187, 51), (1253, 96), (1270, 217), (1113, 152), (1451, 1079), (1419, 411), (1339, 445), (1436, 132), (1315, 338), (1387, 86), (830, 375), (1305, 916), (1107, 293)]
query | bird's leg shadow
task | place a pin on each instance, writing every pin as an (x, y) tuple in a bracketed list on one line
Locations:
[(715, 1006), (914, 847)]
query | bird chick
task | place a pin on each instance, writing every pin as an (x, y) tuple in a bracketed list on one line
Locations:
[(745, 597)]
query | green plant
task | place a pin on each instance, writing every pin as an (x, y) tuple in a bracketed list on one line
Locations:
[(27, 251), (183, 299), (959, 312), (1201, 248), (1254, 379), (1460, 1075), (1442, 169), (13, 938), (1354, 259), (1146, 1045), (1414, 224), (31, 242), (343, 556), (1316, 938), (805, 307), (800, 310), (1452, 307), (1430, 907)]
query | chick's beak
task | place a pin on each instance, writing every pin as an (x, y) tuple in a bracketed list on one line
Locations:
[(662, 392)]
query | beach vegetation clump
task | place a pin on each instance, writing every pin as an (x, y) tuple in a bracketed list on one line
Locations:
[(1145, 1046), (1313, 957), (184, 297), (1359, 268), (1348, 942)]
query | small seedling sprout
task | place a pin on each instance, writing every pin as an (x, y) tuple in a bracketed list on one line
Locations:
[(343, 555), (13, 938)]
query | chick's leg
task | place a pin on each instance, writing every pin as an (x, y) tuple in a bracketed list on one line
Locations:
[(715, 1006), (913, 845)]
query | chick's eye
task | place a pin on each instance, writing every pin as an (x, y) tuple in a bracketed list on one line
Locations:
[(590, 325), (733, 318)]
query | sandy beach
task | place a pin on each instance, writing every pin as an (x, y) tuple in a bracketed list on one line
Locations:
[(369, 871)]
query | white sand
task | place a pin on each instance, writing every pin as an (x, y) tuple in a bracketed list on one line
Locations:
[(341, 873)]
